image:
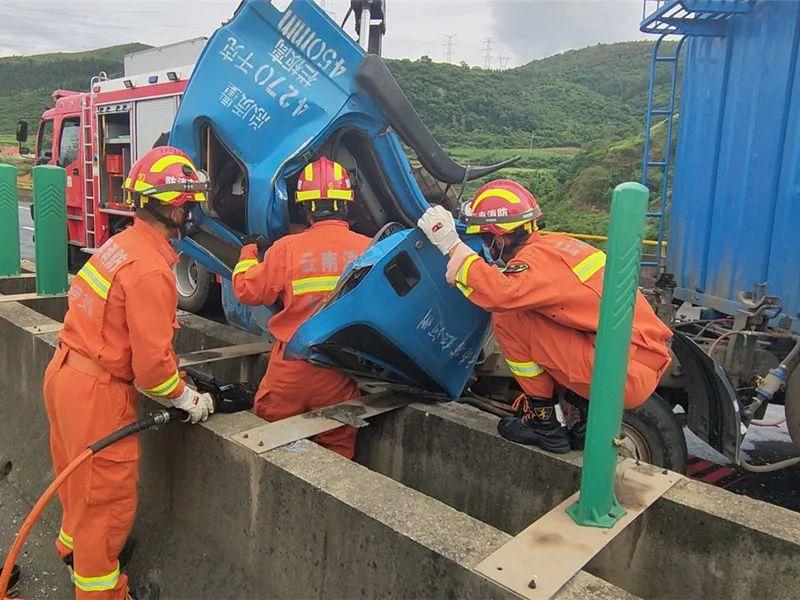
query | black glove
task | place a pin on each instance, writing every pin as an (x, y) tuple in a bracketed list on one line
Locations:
[(257, 239)]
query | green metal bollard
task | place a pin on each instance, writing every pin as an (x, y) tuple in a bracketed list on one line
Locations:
[(9, 222), (597, 505), (50, 229)]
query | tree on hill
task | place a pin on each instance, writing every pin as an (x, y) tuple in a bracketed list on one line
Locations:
[(29, 81)]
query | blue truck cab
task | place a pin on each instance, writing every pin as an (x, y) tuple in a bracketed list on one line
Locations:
[(276, 89)]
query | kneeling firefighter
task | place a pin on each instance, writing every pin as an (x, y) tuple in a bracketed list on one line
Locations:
[(300, 271), (117, 337), (545, 304)]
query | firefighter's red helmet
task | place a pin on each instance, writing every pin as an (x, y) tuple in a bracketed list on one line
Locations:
[(323, 179), (500, 207), (167, 175)]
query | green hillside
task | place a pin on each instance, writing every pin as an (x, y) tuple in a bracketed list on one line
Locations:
[(574, 118), (28, 81), (570, 99)]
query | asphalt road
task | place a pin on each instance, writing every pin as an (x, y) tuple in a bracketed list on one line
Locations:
[(25, 231)]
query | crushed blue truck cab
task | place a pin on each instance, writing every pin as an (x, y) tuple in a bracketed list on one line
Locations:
[(273, 90)]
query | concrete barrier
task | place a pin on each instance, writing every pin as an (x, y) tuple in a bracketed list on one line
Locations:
[(219, 521), (697, 541)]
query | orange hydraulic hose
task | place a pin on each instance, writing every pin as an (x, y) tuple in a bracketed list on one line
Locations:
[(34, 515), (161, 417)]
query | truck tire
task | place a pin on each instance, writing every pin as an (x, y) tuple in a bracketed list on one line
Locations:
[(197, 287), (654, 435)]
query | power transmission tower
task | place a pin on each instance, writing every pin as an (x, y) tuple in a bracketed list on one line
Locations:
[(449, 44), (486, 50), (502, 61)]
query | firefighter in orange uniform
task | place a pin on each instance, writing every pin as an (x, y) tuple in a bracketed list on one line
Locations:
[(300, 271), (117, 337), (545, 305)]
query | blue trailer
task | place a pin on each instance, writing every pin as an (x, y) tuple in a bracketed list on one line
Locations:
[(733, 203)]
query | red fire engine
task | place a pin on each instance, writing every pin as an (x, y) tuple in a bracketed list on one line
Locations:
[(96, 136)]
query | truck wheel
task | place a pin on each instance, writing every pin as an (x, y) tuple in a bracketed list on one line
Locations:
[(196, 285), (654, 435)]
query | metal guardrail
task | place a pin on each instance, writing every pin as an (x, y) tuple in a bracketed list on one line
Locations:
[(603, 238)]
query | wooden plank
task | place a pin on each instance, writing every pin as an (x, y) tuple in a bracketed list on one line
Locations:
[(353, 412), (29, 296), (538, 562), (226, 352), (20, 276)]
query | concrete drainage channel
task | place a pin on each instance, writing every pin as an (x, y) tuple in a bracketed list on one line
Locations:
[(433, 492)]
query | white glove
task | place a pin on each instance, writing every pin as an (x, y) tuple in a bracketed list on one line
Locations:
[(438, 224), (198, 405)]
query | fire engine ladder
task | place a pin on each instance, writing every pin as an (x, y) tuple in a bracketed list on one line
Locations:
[(650, 162), (88, 174)]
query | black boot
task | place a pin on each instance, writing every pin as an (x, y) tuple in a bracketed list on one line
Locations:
[(537, 423), (577, 433), (15, 573), (145, 590)]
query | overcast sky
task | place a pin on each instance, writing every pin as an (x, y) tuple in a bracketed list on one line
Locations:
[(521, 30)]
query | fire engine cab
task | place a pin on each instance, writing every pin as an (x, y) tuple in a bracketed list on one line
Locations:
[(97, 135)]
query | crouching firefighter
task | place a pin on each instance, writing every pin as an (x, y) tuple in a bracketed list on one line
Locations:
[(300, 271), (545, 302), (117, 337)]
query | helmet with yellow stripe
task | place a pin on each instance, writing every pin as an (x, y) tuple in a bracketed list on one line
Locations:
[(167, 175), (324, 187), (501, 207)]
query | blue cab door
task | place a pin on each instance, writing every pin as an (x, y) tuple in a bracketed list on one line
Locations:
[(393, 317)]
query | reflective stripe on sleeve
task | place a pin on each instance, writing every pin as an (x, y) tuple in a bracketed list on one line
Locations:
[(590, 265), (95, 280), (166, 388), (310, 285), (461, 276), (244, 265), (524, 369), (100, 583), (65, 539)]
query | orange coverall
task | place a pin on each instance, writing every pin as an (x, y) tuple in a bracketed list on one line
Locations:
[(546, 307), (300, 270), (118, 330)]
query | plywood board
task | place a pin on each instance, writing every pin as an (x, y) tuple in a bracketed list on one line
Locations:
[(353, 412), (29, 296), (538, 562)]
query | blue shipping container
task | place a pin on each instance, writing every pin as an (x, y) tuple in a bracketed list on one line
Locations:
[(735, 210)]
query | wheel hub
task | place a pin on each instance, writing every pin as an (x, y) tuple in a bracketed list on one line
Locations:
[(186, 275), (634, 445)]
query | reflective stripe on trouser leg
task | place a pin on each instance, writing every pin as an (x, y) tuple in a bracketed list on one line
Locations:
[(66, 540), (97, 583), (540, 385)]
